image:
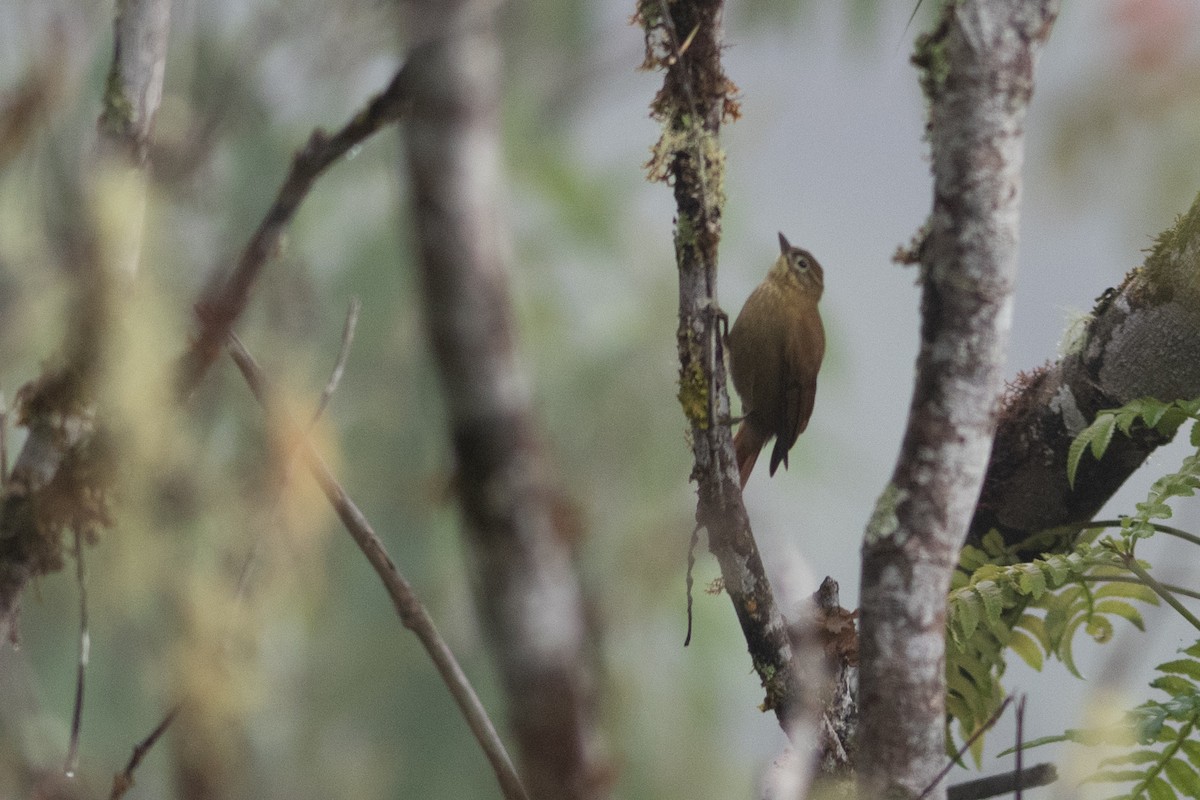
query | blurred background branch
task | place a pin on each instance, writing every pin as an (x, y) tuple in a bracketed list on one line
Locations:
[(528, 592)]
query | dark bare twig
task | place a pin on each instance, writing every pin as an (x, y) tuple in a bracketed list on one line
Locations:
[(226, 300), (122, 781), (1020, 770), (689, 581), (412, 613), (72, 763), (957, 759), (996, 785), (3, 443)]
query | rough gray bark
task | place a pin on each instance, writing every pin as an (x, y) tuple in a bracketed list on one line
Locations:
[(695, 99), (527, 591), (1142, 340), (978, 75)]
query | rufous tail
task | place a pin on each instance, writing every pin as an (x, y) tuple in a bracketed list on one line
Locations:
[(747, 444)]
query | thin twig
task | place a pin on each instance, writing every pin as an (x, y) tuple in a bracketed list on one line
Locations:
[(339, 366), (412, 613), (287, 461), (690, 581), (1020, 748), (225, 302), (72, 763), (1171, 587), (122, 781), (3, 443), (1160, 590), (1167, 529), (966, 746)]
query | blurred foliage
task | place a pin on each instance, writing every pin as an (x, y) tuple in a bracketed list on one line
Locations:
[(1143, 97), (225, 582)]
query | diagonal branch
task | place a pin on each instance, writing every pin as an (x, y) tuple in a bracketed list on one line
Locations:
[(225, 301), (410, 609), (1142, 339)]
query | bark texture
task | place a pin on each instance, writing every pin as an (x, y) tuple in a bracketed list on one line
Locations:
[(695, 99), (527, 590), (978, 74), (1141, 340)]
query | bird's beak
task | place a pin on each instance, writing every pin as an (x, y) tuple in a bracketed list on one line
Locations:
[(783, 243)]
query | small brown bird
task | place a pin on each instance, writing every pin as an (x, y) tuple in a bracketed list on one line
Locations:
[(775, 351)]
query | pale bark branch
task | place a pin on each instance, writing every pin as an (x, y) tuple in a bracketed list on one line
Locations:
[(135, 78), (528, 593), (58, 407), (978, 75)]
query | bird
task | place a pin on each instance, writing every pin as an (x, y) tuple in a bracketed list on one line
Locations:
[(775, 348)]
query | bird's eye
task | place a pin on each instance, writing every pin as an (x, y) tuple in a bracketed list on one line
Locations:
[(801, 262)]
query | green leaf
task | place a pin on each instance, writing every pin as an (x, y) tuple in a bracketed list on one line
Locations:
[(1102, 433), (1193, 651), (1182, 666), (1191, 749), (1031, 581), (1130, 757), (1078, 447), (1159, 789), (1036, 628), (1194, 437), (1032, 743), (1174, 685), (1152, 411), (1119, 608), (970, 558), (993, 543), (1100, 629), (1059, 569), (1133, 591), (1027, 649), (1114, 776), (969, 608), (993, 599), (1183, 776)]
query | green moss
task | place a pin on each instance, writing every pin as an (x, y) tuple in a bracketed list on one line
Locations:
[(929, 56), (693, 393), (884, 522), (118, 108), (1173, 264)]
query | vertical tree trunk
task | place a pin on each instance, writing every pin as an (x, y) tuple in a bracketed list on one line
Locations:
[(978, 75), (527, 591)]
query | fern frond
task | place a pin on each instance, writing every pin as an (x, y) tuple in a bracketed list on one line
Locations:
[(1166, 759)]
